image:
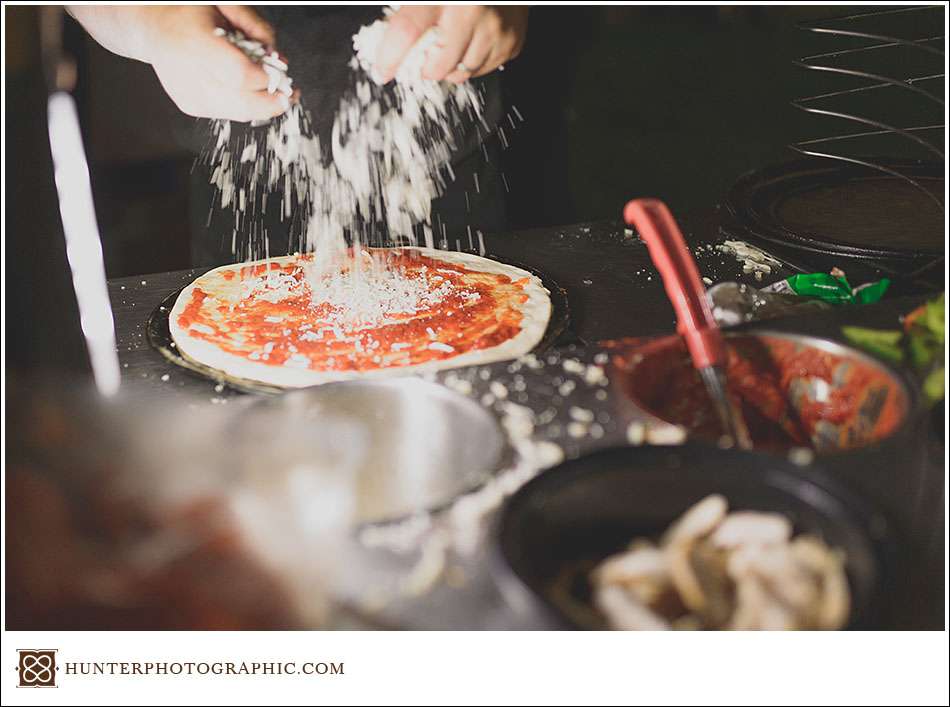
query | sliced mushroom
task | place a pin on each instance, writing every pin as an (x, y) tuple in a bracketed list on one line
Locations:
[(643, 572), (698, 521), (836, 599), (642, 563), (794, 585), (687, 623), (738, 571), (709, 569), (751, 528), (750, 595), (758, 610), (834, 603), (639, 544), (683, 576), (625, 613), (775, 616)]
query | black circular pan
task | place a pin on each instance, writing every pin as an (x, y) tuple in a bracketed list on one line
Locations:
[(159, 335), (557, 527), (834, 207)]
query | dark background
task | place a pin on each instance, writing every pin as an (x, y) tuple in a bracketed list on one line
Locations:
[(673, 102)]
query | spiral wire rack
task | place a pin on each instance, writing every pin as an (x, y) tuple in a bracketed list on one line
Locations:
[(867, 90)]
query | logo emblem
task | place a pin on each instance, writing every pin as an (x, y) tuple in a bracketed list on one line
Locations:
[(37, 668)]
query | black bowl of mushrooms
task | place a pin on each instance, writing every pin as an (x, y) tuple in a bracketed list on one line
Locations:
[(693, 537)]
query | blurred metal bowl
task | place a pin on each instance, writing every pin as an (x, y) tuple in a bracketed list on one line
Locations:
[(405, 445)]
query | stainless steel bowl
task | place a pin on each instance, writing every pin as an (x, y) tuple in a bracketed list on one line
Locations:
[(403, 445), (852, 400)]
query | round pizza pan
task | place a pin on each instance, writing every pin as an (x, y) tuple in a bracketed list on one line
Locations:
[(159, 335), (831, 207)]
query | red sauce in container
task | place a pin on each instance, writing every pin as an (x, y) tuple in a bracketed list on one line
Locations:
[(791, 393)]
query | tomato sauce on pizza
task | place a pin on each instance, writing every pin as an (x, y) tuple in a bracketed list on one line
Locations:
[(394, 308)]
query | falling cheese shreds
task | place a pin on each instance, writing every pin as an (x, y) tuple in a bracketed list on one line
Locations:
[(387, 158)]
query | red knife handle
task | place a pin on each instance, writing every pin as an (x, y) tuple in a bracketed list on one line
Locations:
[(694, 319)]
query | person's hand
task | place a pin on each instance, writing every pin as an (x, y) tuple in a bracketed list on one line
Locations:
[(205, 75), (475, 39)]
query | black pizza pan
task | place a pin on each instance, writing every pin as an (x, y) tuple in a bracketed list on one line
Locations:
[(832, 207), (557, 527), (159, 335)]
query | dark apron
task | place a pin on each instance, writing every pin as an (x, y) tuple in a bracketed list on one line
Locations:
[(317, 44)]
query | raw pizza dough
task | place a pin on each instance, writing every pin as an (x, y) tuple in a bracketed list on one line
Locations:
[(262, 322)]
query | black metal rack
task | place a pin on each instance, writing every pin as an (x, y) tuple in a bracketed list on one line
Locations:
[(897, 52)]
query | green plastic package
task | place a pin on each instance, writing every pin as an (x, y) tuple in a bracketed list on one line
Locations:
[(833, 289)]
